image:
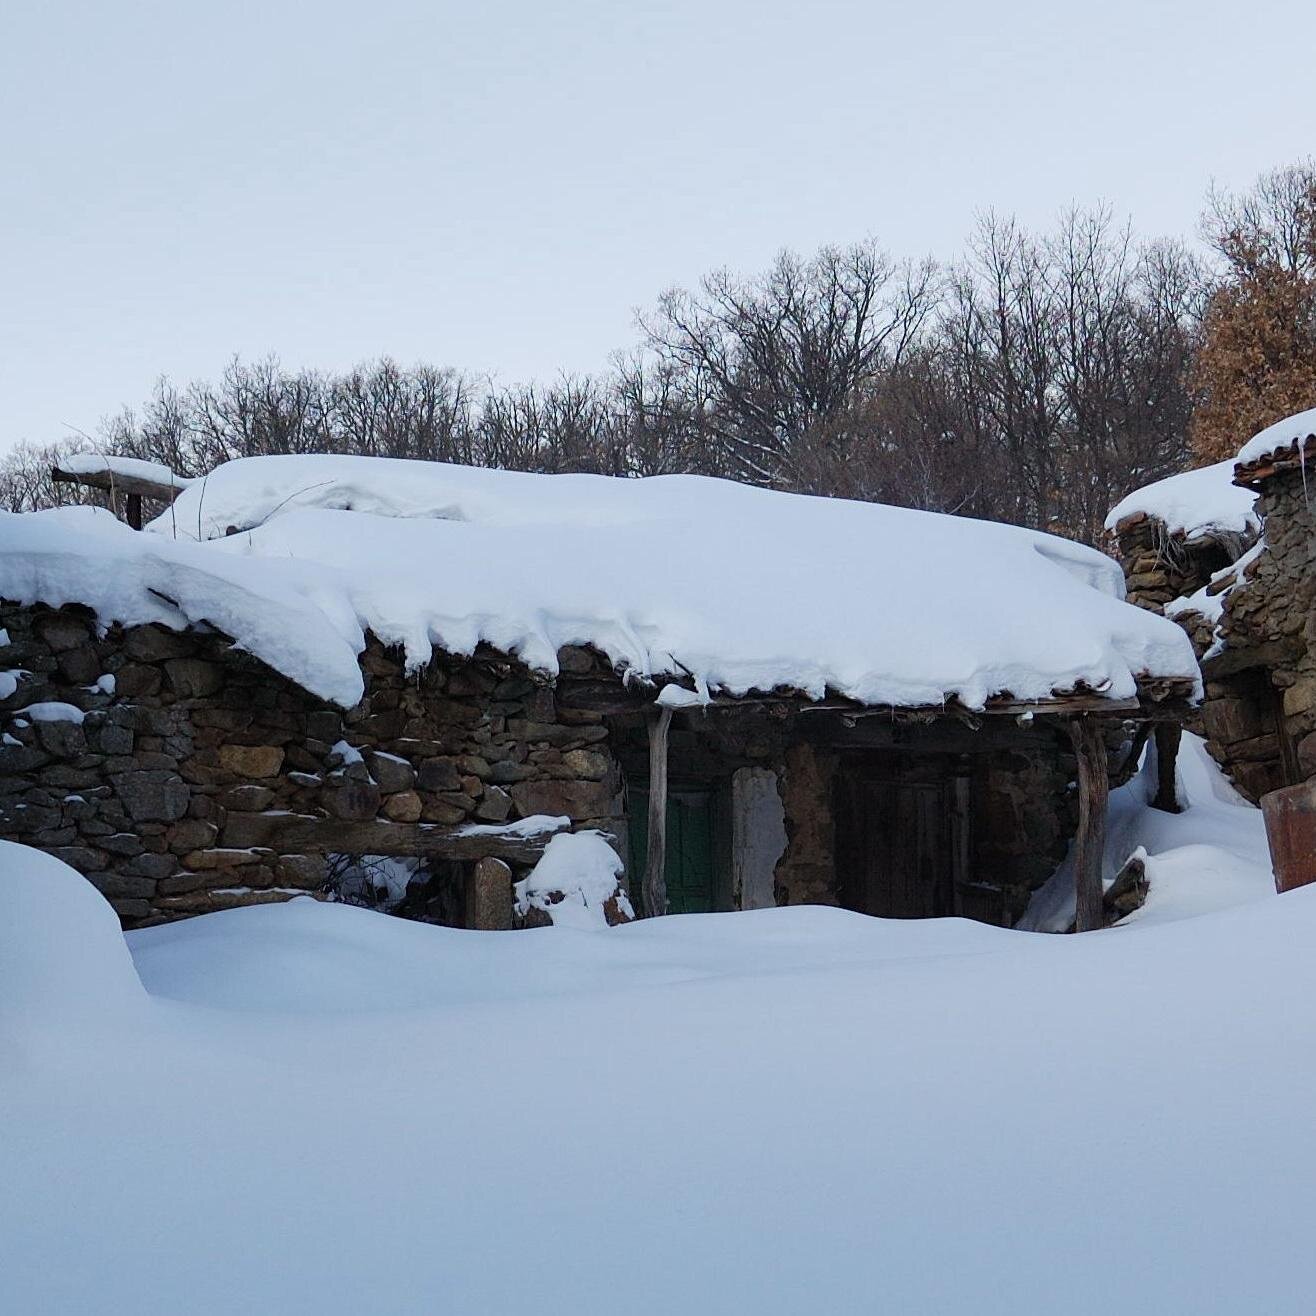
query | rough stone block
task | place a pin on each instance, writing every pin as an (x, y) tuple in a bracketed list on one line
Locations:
[(392, 774), (65, 740), (307, 871), (354, 801), (494, 806), (153, 644), (138, 681), (404, 807), (258, 761), (199, 860), (247, 799), (122, 885), (193, 678), (124, 843), (1300, 696), (1228, 720), (151, 796), (439, 774), (62, 631), (590, 764), (79, 856), (191, 834), (21, 758), (151, 865), (489, 896), (79, 666), (575, 799)]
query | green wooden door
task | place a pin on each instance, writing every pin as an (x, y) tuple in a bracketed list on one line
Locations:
[(689, 866)]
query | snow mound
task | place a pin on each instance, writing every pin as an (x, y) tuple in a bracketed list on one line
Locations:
[(1282, 434), (576, 876), (62, 954), (745, 589), (1209, 857), (1193, 503)]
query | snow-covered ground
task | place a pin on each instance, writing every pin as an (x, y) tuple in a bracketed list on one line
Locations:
[(312, 1108)]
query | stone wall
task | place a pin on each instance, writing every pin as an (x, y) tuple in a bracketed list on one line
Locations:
[(1260, 708), (199, 779), (1160, 567)]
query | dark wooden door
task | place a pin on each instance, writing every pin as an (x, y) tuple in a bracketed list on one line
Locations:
[(689, 869), (896, 843)]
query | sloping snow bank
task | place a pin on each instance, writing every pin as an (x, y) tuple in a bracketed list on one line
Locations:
[(794, 1110), (1209, 857), (62, 955), (745, 589)]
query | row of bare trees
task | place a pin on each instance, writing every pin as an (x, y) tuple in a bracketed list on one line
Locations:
[(1035, 381)]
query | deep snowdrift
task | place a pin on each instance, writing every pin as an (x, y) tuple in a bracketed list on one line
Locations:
[(324, 1110), (1208, 857)]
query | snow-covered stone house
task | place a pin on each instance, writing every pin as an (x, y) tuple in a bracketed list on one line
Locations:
[(1229, 552), (762, 698), (1178, 539)]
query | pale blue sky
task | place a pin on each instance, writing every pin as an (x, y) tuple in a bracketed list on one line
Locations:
[(498, 186)]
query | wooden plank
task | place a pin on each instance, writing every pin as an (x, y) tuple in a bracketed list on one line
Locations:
[(961, 838), (1168, 735), (115, 482), (1093, 791), (291, 833), (655, 868)]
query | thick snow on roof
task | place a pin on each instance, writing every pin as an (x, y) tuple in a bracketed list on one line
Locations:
[(93, 463), (742, 588), (1283, 434), (1193, 503), (678, 576), (84, 555)]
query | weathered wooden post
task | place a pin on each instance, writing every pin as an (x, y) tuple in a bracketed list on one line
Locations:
[(1290, 816), (655, 867), (1168, 736), (1090, 843)]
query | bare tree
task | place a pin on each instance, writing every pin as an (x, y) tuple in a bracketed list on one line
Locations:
[(773, 359)]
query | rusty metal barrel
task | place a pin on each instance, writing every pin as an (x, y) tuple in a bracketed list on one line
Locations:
[(1290, 816)]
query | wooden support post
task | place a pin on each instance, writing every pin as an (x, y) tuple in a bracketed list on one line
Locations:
[(1093, 790), (135, 510), (655, 867), (1168, 735)]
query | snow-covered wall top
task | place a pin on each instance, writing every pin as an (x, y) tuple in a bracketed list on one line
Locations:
[(742, 588), (94, 463), (1283, 434), (1193, 503)]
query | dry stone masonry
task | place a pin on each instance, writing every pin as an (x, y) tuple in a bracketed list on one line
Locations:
[(182, 776)]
